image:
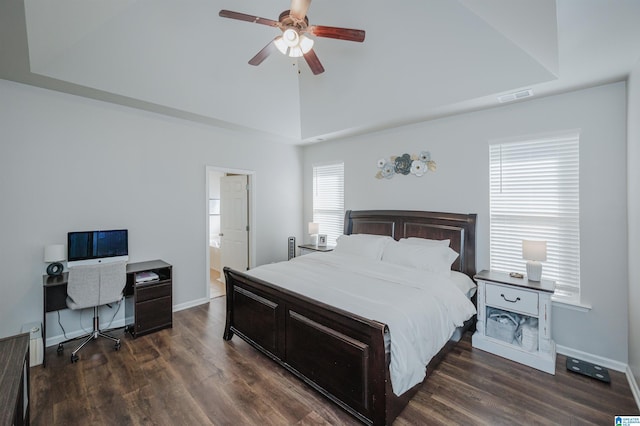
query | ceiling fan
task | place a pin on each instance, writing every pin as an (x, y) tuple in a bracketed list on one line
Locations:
[(295, 28)]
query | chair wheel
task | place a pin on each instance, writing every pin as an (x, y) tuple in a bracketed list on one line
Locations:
[(74, 358), (117, 346), (60, 348)]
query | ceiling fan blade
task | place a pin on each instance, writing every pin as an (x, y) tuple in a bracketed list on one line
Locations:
[(348, 34), (249, 18), (314, 62), (299, 8), (263, 54)]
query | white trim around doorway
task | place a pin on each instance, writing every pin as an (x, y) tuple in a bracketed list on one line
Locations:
[(251, 178)]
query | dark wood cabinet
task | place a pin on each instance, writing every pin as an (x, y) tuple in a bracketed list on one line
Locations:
[(14, 380), (150, 308)]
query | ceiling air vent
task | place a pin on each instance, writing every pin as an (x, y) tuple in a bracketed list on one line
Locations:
[(509, 97)]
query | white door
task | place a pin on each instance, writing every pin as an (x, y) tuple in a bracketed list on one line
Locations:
[(234, 223)]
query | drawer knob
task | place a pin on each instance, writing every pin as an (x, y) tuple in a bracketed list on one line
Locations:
[(510, 301)]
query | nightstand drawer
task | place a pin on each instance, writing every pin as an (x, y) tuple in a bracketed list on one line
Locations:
[(512, 299)]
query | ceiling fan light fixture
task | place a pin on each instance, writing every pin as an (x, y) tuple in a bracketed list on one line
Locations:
[(292, 44), (293, 41), (295, 52), (306, 44), (291, 37), (280, 45)]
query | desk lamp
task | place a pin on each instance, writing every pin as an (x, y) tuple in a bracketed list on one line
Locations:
[(534, 252), (54, 253)]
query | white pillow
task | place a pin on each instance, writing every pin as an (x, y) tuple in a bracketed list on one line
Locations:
[(463, 282), (365, 245), (435, 258), (424, 241)]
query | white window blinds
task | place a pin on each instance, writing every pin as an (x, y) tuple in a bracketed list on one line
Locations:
[(534, 194), (328, 200)]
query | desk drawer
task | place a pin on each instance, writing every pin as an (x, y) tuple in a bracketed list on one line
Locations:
[(512, 299), (153, 315), (153, 291)]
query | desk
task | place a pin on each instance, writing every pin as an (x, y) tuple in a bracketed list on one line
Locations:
[(55, 298)]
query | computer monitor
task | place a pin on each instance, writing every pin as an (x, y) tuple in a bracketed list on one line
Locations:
[(93, 247)]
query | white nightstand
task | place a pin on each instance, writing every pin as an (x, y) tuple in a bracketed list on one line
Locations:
[(502, 298)]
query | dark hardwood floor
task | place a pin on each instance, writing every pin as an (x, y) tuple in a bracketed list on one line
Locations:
[(188, 375)]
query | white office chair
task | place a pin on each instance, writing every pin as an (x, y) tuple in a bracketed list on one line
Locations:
[(93, 286)]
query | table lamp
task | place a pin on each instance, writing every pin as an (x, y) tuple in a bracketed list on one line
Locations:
[(55, 254), (314, 230), (534, 252)]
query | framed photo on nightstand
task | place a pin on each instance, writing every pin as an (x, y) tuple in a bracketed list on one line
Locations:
[(322, 240)]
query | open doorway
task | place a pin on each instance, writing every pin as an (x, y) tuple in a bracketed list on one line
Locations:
[(228, 224), (216, 286)]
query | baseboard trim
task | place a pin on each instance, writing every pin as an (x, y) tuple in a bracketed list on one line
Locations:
[(633, 385), (190, 304), (54, 340), (605, 362), (594, 359)]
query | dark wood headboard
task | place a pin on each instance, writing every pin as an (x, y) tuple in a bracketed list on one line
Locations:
[(460, 229)]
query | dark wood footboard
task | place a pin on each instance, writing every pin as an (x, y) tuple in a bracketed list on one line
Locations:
[(339, 354)]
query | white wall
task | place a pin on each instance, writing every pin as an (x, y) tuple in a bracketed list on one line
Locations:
[(459, 145), (70, 163), (633, 179)]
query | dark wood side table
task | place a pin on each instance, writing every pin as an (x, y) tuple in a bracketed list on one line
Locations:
[(54, 298), (150, 305), (14, 380)]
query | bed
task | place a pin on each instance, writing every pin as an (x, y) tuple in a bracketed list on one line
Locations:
[(343, 355)]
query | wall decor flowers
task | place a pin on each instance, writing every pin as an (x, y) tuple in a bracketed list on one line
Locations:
[(406, 164)]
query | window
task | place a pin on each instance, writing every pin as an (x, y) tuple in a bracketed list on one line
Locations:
[(214, 222), (534, 194), (328, 200)]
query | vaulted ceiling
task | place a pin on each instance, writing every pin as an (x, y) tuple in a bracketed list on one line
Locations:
[(421, 59)]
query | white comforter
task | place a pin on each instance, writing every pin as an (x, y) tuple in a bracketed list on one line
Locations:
[(422, 309)]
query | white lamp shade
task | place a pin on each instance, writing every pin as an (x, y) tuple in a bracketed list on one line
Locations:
[(314, 228), (280, 44), (305, 44), (54, 253), (293, 44), (290, 37), (534, 250)]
